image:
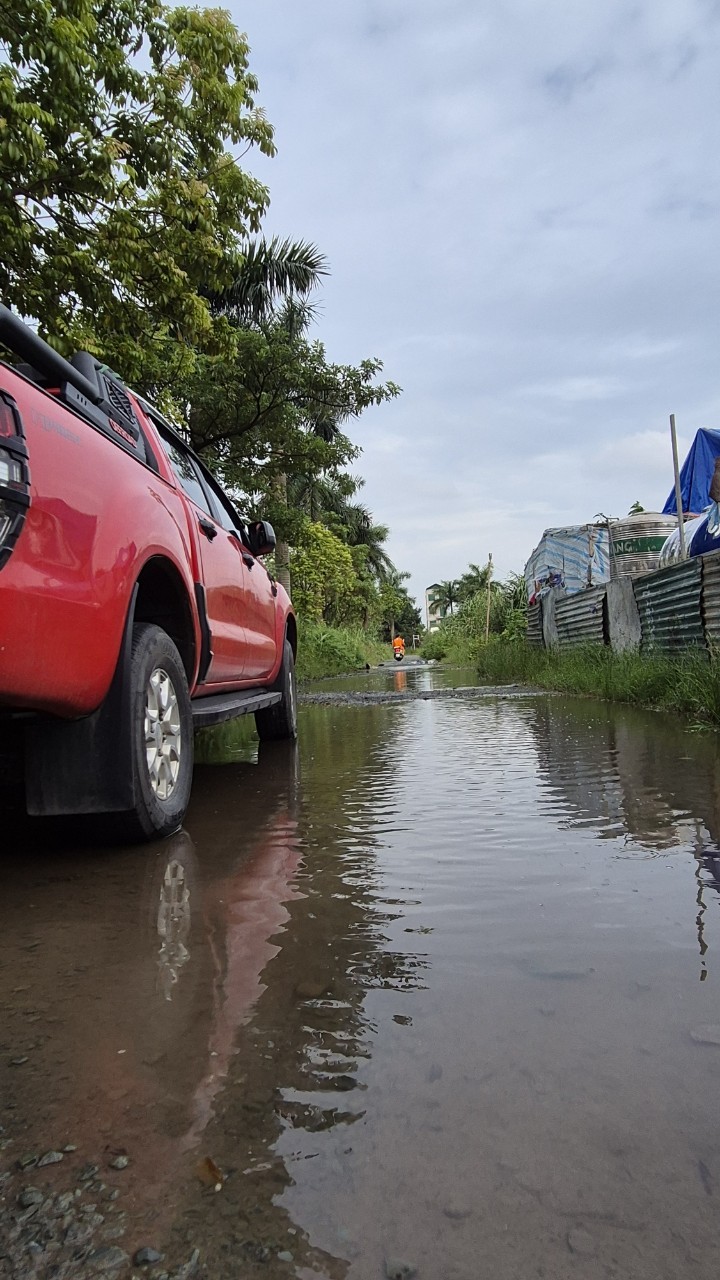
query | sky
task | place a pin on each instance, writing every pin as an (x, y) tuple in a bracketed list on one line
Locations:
[(519, 201)]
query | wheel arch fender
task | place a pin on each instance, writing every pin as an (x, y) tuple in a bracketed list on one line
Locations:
[(161, 596), (291, 633), (83, 766)]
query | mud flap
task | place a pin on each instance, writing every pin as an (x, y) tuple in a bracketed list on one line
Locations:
[(85, 766)]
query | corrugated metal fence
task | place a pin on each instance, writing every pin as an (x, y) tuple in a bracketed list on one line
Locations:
[(670, 606), (534, 626), (711, 599), (580, 618), (678, 607)]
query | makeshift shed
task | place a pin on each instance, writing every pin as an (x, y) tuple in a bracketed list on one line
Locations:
[(574, 557), (696, 474)]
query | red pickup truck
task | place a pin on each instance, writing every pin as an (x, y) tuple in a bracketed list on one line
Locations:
[(134, 603)]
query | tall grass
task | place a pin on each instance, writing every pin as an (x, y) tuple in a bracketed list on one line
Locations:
[(322, 651), (331, 651), (461, 637), (688, 685)]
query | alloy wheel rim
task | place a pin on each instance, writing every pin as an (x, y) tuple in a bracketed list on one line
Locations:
[(163, 734)]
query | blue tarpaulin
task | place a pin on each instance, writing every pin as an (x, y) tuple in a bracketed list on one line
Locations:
[(696, 474), (575, 557)]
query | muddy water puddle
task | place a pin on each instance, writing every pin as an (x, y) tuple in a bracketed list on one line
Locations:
[(438, 991)]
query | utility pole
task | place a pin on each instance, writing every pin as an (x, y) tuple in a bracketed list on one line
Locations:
[(487, 614), (678, 493)]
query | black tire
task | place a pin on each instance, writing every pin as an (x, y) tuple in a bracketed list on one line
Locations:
[(280, 721), (161, 782)]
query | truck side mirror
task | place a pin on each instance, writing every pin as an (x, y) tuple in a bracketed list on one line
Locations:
[(261, 537)]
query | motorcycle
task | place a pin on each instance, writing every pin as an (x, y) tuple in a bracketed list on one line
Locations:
[(399, 653)]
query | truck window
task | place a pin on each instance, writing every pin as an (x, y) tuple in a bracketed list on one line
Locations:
[(225, 513), (186, 475)]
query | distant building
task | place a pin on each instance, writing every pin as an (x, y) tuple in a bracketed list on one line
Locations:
[(433, 613)]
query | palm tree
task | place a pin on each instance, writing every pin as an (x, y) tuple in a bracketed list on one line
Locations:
[(472, 582), (271, 270), (285, 271), (329, 500), (445, 597), (371, 536)]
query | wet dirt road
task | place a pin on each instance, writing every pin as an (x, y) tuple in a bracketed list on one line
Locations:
[(441, 990)]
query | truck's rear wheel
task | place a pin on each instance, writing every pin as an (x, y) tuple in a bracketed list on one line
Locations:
[(162, 735), (280, 721)]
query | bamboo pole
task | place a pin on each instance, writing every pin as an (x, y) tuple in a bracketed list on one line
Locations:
[(678, 493), (487, 614)]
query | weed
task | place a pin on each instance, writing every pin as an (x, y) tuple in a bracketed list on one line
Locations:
[(330, 651), (687, 684)]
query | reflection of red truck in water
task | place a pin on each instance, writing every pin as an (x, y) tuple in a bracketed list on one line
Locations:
[(134, 604), (152, 997)]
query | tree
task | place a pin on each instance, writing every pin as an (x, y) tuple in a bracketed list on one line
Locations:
[(323, 576), (399, 613), (464, 631), (474, 580), (329, 498), (324, 497), (121, 203), (361, 531), (269, 272), (129, 228), (274, 409), (445, 597)]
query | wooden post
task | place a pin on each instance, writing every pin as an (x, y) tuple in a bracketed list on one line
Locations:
[(678, 493), (487, 614)]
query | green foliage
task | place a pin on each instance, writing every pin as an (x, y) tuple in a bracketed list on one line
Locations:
[(434, 646), (129, 228), (329, 498), (515, 624), (470, 583), (328, 651), (461, 636), (271, 270), (323, 576), (399, 615), (273, 408), (687, 685), (121, 202)]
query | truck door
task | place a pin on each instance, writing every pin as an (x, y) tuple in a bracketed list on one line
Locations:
[(259, 610), (223, 573), (259, 618)]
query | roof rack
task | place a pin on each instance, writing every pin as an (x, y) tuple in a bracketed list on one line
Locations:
[(81, 383)]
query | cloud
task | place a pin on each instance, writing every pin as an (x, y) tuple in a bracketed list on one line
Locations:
[(564, 82), (577, 390), (520, 204)]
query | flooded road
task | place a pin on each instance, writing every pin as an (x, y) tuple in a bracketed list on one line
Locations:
[(441, 991)]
